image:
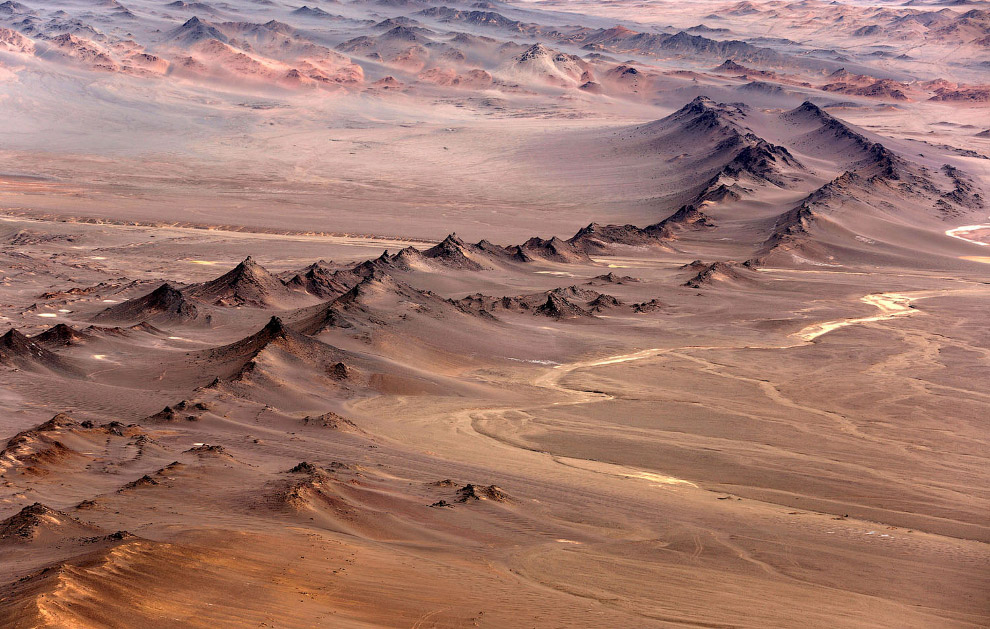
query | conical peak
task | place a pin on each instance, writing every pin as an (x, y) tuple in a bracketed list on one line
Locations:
[(13, 337), (535, 50), (275, 328), (165, 290), (59, 420), (249, 270), (59, 333)]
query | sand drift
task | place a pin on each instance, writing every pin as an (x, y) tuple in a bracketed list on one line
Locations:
[(965, 232), (891, 305)]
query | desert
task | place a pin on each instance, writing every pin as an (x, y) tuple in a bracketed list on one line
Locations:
[(436, 313)]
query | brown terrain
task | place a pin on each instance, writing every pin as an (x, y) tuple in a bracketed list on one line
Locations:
[(397, 313)]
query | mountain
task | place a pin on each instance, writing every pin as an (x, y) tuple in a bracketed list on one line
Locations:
[(475, 18), (603, 239), (452, 252), (320, 281), (165, 304), (84, 52), (830, 138), (61, 335), (878, 211), (20, 352), (566, 302), (687, 217), (40, 524), (716, 273), (724, 159), (313, 12), (31, 451), (14, 8), (194, 30), (557, 306), (12, 41), (619, 39), (551, 250), (247, 284), (376, 302), (274, 353), (548, 66)]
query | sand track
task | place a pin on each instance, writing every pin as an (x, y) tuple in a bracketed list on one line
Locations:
[(517, 420), (891, 305)]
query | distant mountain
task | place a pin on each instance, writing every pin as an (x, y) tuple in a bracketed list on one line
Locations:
[(194, 30)]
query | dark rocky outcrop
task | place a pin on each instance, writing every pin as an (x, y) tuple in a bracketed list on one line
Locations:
[(164, 304)]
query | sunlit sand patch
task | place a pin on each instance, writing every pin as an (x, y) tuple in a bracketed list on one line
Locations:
[(97, 258), (983, 259), (660, 479), (890, 304), (964, 233), (622, 471), (203, 262), (625, 263), (566, 541), (64, 310), (47, 315), (623, 358), (557, 273), (534, 361), (100, 356), (551, 378), (109, 301)]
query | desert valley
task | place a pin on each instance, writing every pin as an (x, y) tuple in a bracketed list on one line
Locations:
[(430, 313)]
